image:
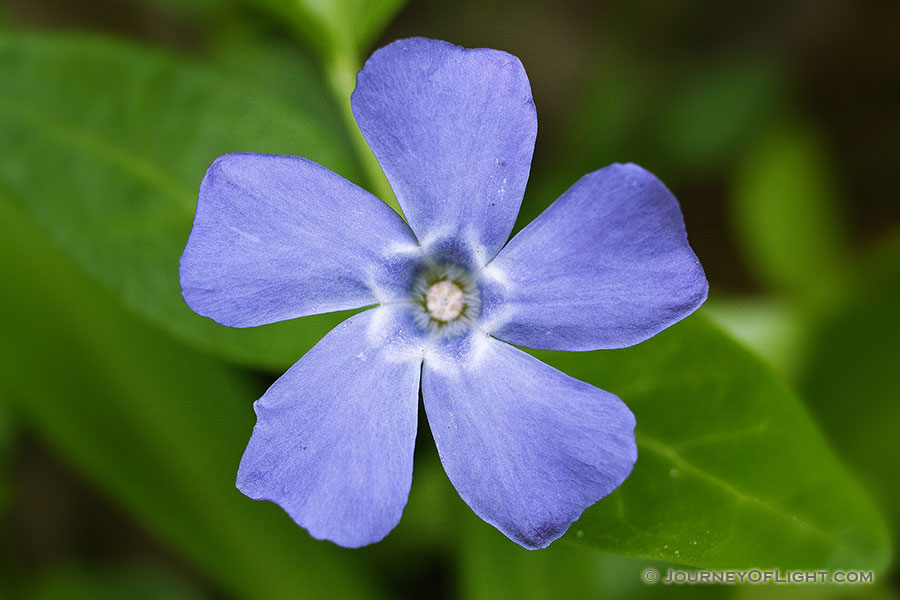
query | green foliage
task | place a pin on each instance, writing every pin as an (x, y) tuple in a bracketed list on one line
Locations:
[(336, 28), (682, 122), (768, 325), (851, 377), (160, 427), (493, 569), (714, 111), (731, 471), (785, 214), (105, 145), (285, 72)]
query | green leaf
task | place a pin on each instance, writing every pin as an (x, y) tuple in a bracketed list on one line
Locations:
[(280, 67), (492, 568), (731, 471), (785, 214), (680, 121), (852, 377), (772, 327), (158, 426), (104, 145), (336, 28), (715, 111)]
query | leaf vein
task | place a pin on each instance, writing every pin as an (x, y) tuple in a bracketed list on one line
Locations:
[(669, 453)]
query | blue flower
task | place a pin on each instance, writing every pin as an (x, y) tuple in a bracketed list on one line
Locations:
[(527, 447)]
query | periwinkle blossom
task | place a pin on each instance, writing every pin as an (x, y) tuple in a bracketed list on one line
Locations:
[(527, 447)]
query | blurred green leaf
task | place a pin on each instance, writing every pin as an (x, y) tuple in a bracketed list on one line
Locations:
[(772, 327), (336, 28), (678, 120), (731, 470), (157, 425), (851, 380), (105, 145), (600, 129), (280, 67), (715, 111), (616, 118), (785, 214)]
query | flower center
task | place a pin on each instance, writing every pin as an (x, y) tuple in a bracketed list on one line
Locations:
[(446, 300)]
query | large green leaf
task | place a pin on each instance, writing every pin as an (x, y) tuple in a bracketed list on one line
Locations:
[(104, 145), (493, 568), (157, 425), (731, 470)]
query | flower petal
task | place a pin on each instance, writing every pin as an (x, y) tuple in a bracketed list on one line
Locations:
[(607, 265), (526, 446), (454, 130), (279, 237), (333, 442)]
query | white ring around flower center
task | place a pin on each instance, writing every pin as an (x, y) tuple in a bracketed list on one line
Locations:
[(444, 301)]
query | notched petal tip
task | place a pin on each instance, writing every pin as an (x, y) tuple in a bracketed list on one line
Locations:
[(453, 129), (278, 237), (608, 265)]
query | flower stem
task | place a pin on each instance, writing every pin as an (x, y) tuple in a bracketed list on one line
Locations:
[(341, 72)]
